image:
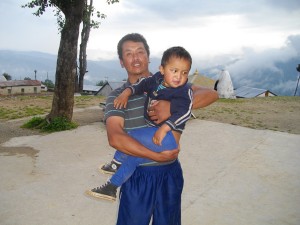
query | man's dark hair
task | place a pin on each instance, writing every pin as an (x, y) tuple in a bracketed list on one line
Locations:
[(178, 52), (135, 37)]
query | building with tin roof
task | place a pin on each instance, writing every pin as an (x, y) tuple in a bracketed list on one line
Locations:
[(15, 87), (250, 92)]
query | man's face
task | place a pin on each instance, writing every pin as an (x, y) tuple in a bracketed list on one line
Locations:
[(135, 58)]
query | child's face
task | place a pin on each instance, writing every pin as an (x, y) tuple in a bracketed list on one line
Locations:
[(175, 72)]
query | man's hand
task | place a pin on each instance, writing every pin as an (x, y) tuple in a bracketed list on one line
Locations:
[(167, 155), (159, 111)]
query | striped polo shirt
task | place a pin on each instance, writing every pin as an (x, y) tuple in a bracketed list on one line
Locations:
[(133, 114)]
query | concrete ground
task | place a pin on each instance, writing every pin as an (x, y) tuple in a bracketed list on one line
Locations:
[(233, 176)]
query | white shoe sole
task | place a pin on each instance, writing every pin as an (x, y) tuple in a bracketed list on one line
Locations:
[(100, 196), (104, 171)]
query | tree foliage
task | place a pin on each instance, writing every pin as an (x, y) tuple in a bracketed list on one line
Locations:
[(101, 83), (88, 17), (73, 12), (48, 83), (88, 24)]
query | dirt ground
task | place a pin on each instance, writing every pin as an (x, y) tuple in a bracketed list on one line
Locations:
[(237, 172), (273, 113), (87, 114)]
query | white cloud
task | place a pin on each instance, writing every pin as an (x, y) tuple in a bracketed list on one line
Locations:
[(271, 69), (205, 28)]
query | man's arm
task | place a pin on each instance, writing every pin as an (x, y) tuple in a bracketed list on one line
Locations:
[(203, 96), (120, 140), (159, 111)]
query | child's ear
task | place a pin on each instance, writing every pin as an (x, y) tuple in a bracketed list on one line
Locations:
[(161, 70)]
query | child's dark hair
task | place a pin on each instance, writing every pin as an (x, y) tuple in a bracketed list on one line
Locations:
[(178, 52), (135, 37)]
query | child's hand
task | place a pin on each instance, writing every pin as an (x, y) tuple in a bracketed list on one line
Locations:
[(160, 134), (121, 101)]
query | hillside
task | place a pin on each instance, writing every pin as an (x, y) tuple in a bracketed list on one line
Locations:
[(280, 78)]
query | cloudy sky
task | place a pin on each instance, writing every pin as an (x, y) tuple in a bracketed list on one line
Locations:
[(212, 31), (205, 28)]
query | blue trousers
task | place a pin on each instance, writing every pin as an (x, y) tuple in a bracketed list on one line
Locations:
[(152, 191), (130, 163)]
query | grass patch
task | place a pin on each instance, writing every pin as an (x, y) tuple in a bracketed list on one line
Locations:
[(56, 124), (16, 107), (279, 113), (82, 101), (17, 113)]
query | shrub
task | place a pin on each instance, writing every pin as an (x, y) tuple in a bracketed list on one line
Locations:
[(56, 124)]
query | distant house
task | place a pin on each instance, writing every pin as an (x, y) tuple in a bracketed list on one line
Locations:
[(91, 89), (249, 92), (2, 78), (14, 87), (44, 87), (108, 87)]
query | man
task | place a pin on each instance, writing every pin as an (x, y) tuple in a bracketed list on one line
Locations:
[(153, 190)]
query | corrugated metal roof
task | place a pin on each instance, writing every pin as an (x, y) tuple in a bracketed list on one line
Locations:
[(249, 92), (112, 84), (115, 84), (14, 83), (91, 88)]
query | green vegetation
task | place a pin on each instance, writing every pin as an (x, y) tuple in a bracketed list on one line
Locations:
[(17, 113), (16, 107), (57, 124), (48, 83)]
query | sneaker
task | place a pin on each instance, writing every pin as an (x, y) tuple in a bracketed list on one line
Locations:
[(107, 191), (110, 168)]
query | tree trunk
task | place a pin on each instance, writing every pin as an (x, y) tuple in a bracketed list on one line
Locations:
[(76, 80), (63, 99), (85, 34)]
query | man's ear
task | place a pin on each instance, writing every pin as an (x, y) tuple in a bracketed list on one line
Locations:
[(121, 63), (161, 69)]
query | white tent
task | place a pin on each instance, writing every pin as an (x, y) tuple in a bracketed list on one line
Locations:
[(225, 86)]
